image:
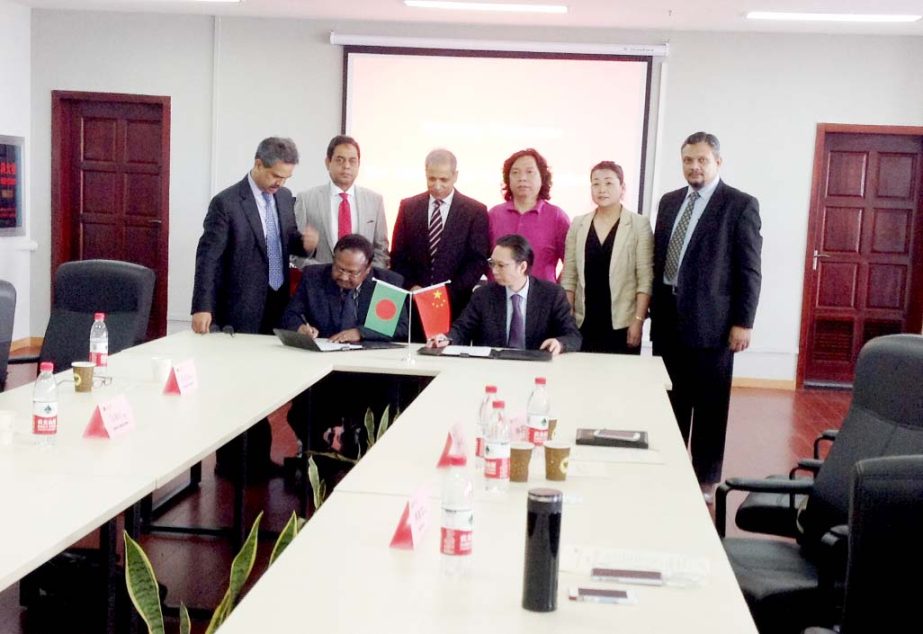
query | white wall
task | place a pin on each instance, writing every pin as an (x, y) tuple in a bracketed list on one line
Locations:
[(15, 32), (127, 53), (761, 94)]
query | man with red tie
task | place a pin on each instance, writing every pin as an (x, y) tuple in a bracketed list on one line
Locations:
[(328, 212)]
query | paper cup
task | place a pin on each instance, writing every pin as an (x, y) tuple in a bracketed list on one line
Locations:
[(557, 455), (552, 425), (520, 455), (160, 368), (83, 375)]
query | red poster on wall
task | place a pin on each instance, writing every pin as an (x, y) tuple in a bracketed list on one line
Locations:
[(11, 191)]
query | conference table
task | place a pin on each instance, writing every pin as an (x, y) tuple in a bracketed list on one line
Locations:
[(634, 507)]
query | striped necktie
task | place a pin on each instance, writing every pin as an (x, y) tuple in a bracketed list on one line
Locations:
[(676, 241), (435, 230)]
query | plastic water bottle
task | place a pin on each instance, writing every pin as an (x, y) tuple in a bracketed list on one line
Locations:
[(497, 450), (537, 413), (45, 405), (99, 345), (457, 522), (484, 412)]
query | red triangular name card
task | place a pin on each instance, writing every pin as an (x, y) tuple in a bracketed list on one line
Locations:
[(453, 453), (413, 522), (183, 379), (110, 419)]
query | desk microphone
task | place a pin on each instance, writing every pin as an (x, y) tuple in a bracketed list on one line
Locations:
[(228, 330)]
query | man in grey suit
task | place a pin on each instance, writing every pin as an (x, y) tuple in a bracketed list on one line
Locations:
[(706, 288), (328, 212)]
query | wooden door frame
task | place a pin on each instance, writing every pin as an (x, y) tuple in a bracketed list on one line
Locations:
[(817, 179), (62, 104)]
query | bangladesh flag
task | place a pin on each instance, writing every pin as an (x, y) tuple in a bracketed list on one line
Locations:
[(385, 309)]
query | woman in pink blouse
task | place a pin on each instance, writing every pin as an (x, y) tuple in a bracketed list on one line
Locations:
[(527, 188)]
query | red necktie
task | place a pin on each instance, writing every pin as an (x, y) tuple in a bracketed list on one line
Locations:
[(344, 218)]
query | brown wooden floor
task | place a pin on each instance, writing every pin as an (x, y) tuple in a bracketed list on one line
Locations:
[(768, 431)]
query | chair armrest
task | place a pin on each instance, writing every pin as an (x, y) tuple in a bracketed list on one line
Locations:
[(831, 571), (23, 359), (751, 485), (828, 435), (811, 465)]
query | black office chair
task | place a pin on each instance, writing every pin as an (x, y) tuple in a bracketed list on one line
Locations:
[(781, 581), (7, 310), (122, 290), (885, 545)]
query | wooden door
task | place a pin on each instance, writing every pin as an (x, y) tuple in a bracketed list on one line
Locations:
[(864, 264), (110, 184)]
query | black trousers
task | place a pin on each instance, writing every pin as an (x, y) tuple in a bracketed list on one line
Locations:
[(607, 340), (700, 396)]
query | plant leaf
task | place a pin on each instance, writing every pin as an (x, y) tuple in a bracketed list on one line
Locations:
[(285, 537), (240, 570), (370, 426), (142, 586), (318, 486), (185, 625), (385, 421)]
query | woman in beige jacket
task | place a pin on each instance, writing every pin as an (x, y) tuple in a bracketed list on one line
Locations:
[(608, 267)]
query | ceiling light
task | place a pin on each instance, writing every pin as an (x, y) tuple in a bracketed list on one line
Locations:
[(506, 7), (830, 17)]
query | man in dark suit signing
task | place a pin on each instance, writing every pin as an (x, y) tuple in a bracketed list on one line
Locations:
[(516, 310), (241, 270), (441, 235), (706, 288), (333, 301)]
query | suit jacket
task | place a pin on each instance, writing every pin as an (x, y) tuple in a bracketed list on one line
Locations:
[(312, 209), (547, 316), (631, 267), (318, 300), (463, 249), (232, 270), (718, 284)]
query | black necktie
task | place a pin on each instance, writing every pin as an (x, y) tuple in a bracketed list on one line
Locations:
[(349, 316)]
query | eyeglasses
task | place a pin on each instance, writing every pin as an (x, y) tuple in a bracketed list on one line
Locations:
[(339, 271), (492, 263)]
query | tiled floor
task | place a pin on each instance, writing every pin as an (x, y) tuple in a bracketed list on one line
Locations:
[(768, 431)]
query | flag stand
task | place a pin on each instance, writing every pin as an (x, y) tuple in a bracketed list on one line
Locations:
[(409, 358)]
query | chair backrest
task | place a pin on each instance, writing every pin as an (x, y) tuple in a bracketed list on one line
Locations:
[(885, 418), (122, 290), (885, 546), (7, 310)]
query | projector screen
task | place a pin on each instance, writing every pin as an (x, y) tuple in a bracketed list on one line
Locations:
[(576, 110)]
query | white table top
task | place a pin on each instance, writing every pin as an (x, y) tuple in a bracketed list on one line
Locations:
[(340, 570)]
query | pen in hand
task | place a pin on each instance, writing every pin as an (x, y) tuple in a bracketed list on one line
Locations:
[(309, 329)]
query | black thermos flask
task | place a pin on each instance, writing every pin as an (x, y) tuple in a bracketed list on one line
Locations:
[(543, 540)]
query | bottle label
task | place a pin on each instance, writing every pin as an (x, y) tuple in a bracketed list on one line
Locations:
[(45, 418), (479, 446), (497, 460), (99, 353), (457, 525), (538, 429)]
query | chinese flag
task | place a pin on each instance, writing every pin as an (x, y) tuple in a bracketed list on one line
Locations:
[(433, 306)]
